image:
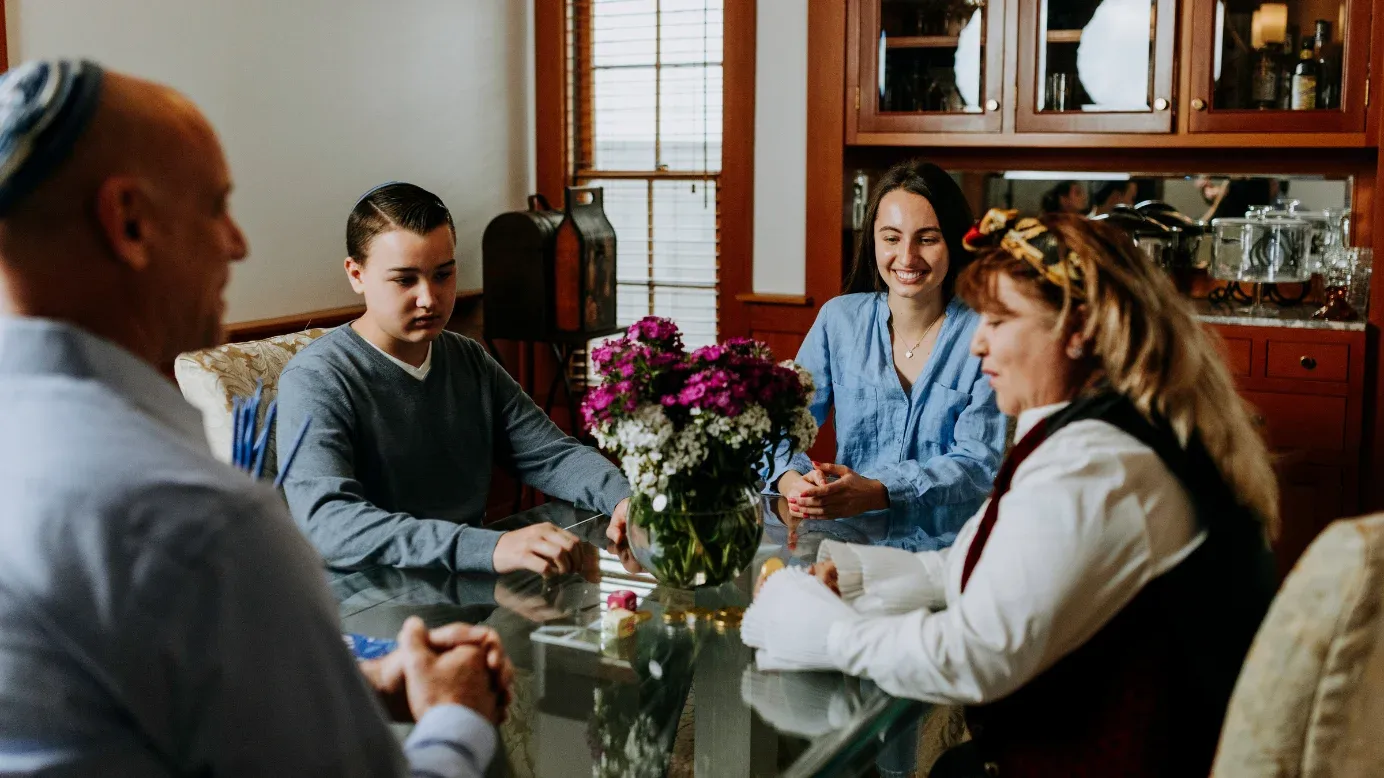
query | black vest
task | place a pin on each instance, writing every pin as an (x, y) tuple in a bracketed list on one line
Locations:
[(1147, 694)]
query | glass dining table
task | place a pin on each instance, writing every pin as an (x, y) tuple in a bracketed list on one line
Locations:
[(682, 696)]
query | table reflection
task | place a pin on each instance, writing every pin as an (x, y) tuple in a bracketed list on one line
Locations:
[(681, 696)]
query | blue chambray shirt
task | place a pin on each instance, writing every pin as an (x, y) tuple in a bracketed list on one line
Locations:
[(936, 448)]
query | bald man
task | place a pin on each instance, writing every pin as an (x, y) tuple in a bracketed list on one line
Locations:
[(160, 615)]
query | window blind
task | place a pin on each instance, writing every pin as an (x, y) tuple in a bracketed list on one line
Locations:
[(644, 122)]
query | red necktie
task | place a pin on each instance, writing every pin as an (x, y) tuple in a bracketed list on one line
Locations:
[(1016, 455)]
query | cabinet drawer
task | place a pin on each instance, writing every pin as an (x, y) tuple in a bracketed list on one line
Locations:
[(1308, 361), (1300, 421), (1237, 355)]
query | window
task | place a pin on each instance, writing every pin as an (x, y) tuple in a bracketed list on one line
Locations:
[(644, 121)]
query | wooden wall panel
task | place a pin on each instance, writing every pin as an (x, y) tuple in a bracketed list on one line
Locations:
[(735, 206)]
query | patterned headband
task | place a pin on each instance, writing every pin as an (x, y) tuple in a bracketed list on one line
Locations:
[(1029, 240)]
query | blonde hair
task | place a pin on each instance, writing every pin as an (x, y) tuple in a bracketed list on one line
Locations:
[(1145, 343)]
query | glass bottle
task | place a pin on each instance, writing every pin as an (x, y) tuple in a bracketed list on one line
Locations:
[(917, 88), (1264, 85), (860, 194), (1328, 80), (1304, 97), (1287, 60)]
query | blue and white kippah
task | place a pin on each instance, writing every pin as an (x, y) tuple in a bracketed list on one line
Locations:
[(45, 106)]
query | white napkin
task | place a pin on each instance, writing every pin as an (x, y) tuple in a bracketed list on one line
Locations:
[(790, 619)]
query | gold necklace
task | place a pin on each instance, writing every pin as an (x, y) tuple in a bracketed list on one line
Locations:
[(908, 353)]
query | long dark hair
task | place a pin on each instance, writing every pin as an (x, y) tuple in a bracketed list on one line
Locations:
[(393, 206), (1052, 199), (953, 215)]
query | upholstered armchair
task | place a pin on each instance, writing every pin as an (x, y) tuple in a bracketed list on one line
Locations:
[(210, 378), (1310, 699)]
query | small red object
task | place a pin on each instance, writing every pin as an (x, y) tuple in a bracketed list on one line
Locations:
[(622, 599)]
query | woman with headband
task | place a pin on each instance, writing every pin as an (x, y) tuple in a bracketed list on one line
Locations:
[(917, 430), (1095, 613)]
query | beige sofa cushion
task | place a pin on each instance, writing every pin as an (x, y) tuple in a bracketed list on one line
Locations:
[(1310, 698), (210, 378)]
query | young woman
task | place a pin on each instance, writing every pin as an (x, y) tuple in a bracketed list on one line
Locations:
[(917, 430), (1096, 613), (408, 418)]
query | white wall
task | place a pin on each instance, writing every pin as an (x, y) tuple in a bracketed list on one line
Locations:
[(318, 100), (780, 147)]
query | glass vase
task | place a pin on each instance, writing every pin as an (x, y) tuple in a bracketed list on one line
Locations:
[(686, 545)]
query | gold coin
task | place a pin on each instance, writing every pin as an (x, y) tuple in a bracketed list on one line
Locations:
[(674, 616), (695, 614), (730, 614)]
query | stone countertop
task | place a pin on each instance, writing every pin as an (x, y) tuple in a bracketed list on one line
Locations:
[(1291, 317)]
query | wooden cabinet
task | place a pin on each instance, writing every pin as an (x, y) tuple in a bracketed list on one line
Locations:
[(1064, 73), (1095, 67), (1306, 389), (1241, 58), (929, 66)]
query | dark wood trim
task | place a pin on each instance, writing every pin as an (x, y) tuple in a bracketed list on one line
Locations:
[(775, 299), (1030, 119), (1372, 111), (780, 318), (826, 120), (258, 329), (735, 193), (1350, 119), (1098, 141), (583, 57), (1335, 162), (553, 168), (4, 39), (863, 63), (1368, 208)]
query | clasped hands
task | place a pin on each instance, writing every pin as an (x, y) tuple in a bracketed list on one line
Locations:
[(457, 664), (831, 491)]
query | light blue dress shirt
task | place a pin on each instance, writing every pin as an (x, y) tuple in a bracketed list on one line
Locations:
[(936, 448), (160, 615)]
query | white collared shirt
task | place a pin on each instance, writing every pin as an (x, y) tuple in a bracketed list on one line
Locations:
[(1092, 516)]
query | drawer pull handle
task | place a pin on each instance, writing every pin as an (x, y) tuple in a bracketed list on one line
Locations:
[(1308, 363)]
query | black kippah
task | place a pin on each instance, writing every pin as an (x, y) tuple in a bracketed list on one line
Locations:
[(45, 106)]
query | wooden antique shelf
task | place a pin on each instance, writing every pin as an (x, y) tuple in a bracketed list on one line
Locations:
[(922, 42)]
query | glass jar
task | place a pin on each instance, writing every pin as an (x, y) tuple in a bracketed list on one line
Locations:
[(1261, 250), (686, 547), (1327, 226)]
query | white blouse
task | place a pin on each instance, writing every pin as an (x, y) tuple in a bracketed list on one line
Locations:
[(1091, 516)]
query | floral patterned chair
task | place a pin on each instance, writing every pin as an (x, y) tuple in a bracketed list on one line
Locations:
[(1310, 699), (210, 378)]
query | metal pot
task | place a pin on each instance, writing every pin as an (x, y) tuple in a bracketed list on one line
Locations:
[(1159, 242), (1190, 231)]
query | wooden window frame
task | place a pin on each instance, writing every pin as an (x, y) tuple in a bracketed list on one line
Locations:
[(735, 186)]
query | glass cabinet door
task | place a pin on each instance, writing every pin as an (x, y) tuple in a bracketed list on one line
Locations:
[(1095, 66), (929, 65), (1294, 66)]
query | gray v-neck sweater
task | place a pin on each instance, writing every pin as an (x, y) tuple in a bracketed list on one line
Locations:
[(396, 471)]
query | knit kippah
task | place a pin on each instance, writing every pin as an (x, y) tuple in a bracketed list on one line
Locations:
[(45, 106)]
